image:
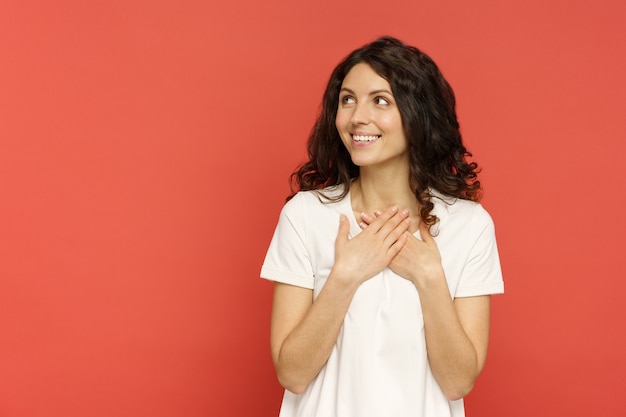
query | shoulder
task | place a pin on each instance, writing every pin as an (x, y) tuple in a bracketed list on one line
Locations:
[(316, 200), (469, 213)]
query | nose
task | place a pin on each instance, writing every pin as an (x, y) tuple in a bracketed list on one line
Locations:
[(360, 114)]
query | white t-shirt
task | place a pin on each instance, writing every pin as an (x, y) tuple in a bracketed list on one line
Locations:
[(379, 366)]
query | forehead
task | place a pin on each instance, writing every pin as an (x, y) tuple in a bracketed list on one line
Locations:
[(363, 77)]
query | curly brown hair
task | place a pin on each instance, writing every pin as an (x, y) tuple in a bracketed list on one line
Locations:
[(438, 159)]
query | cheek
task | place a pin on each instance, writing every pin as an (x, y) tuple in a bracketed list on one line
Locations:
[(391, 122), (340, 120), (341, 127), (394, 127)]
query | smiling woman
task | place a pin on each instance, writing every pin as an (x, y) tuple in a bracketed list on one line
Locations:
[(389, 314), (368, 119)]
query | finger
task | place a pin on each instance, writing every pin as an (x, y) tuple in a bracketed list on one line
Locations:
[(397, 246), (401, 228), (344, 230), (393, 222), (377, 224), (366, 220), (425, 234)]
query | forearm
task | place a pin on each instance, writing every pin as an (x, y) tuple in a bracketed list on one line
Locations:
[(304, 332), (452, 356), (308, 346)]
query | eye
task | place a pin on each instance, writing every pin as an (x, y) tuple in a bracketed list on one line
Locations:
[(347, 100), (381, 101)]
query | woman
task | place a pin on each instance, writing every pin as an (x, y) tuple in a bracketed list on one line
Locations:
[(383, 260)]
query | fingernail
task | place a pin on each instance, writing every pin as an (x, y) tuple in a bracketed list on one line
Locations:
[(405, 212)]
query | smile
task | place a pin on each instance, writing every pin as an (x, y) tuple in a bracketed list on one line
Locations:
[(365, 138)]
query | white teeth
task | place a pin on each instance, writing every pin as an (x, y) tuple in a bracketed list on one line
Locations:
[(360, 138)]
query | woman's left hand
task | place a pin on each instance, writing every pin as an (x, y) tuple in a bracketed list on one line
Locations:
[(456, 330), (419, 260)]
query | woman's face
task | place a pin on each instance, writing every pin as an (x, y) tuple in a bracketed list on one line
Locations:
[(368, 120)]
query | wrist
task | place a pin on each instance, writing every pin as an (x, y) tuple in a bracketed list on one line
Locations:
[(343, 280), (429, 278)]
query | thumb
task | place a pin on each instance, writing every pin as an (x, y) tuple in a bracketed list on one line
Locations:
[(344, 229), (425, 234)]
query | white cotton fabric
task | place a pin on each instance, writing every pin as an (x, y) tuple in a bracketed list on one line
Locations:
[(379, 366)]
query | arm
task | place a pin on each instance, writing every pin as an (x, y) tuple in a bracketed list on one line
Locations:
[(304, 331), (456, 331), (457, 334)]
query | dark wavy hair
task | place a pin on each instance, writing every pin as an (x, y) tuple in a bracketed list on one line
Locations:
[(427, 107)]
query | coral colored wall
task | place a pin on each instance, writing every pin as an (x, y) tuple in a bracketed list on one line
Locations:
[(144, 153)]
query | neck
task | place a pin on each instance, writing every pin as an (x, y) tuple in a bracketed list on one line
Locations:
[(376, 190)]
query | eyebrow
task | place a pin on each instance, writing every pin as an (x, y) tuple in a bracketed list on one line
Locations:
[(371, 93)]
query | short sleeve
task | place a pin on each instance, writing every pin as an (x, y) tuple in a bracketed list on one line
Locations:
[(288, 259), (482, 274)]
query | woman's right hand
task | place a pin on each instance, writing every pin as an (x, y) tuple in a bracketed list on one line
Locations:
[(304, 329), (360, 258)]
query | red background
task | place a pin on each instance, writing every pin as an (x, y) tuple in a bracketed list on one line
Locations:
[(145, 148)]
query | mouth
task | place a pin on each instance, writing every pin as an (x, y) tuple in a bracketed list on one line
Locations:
[(365, 138)]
